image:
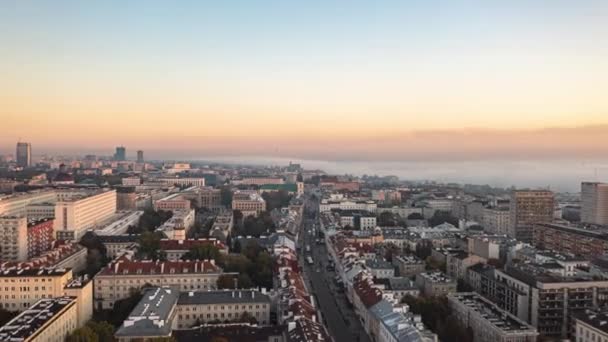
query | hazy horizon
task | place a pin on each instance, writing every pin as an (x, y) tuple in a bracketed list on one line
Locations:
[(417, 81)]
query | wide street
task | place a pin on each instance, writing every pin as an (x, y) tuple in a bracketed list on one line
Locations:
[(337, 313)]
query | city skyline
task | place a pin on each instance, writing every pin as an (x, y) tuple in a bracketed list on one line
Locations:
[(290, 79)]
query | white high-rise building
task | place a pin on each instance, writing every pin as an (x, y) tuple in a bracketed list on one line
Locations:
[(594, 202), (13, 238), (78, 212)]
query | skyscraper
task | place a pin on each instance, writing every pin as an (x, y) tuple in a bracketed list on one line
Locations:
[(140, 156), (528, 207), (24, 154), (594, 202), (121, 153)]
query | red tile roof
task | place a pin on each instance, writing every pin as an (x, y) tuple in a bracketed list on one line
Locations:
[(125, 266), (166, 244), (368, 294)]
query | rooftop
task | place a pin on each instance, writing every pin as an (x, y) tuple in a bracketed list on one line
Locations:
[(34, 318), (596, 319), (492, 313), (228, 333), (220, 297), (124, 266), (152, 316), (33, 272), (437, 277)]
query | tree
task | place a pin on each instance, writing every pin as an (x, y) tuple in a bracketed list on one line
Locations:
[(276, 199), (121, 310), (83, 334), (236, 248), (150, 220), (203, 252), (95, 261), (415, 216), (226, 281), (440, 217), (103, 330), (6, 316), (226, 196), (387, 219), (246, 317), (437, 315), (149, 246), (432, 264), (256, 226), (424, 249)]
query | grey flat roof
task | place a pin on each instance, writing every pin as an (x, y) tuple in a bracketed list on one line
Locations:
[(222, 297), (152, 315)]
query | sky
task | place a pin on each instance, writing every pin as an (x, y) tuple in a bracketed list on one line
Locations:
[(323, 80)]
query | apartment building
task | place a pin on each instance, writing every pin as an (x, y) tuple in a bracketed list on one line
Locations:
[(16, 204), (248, 203), (380, 268), (222, 306), (22, 287), (528, 207), (357, 219), (177, 227), (590, 326), (144, 324), (408, 265), (222, 225), (121, 276), (542, 296), (261, 180), (210, 198), (496, 220), (172, 203), (435, 283), (43, 210), (457, 264), (131, 181), (344, 204), (75, 213), (40, 236), (126, 198), (594, 203), (184, 181), (118, 244), (586, 242), (49, 320), (488, 322), (13, 238)]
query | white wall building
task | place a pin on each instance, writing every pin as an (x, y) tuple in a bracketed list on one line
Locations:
[(76, 213)]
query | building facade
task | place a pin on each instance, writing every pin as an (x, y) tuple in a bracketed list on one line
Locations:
[(488, 322), (122, 276), (75, 214), (566, 239), (49, 320), (13, 238), (40, 236), (496, 220), (20, 288), (200, 307), (24, 154), (248, 203), (594, 203), (528, 207)]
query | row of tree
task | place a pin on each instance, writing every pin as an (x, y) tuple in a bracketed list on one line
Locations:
[(438, 317)]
